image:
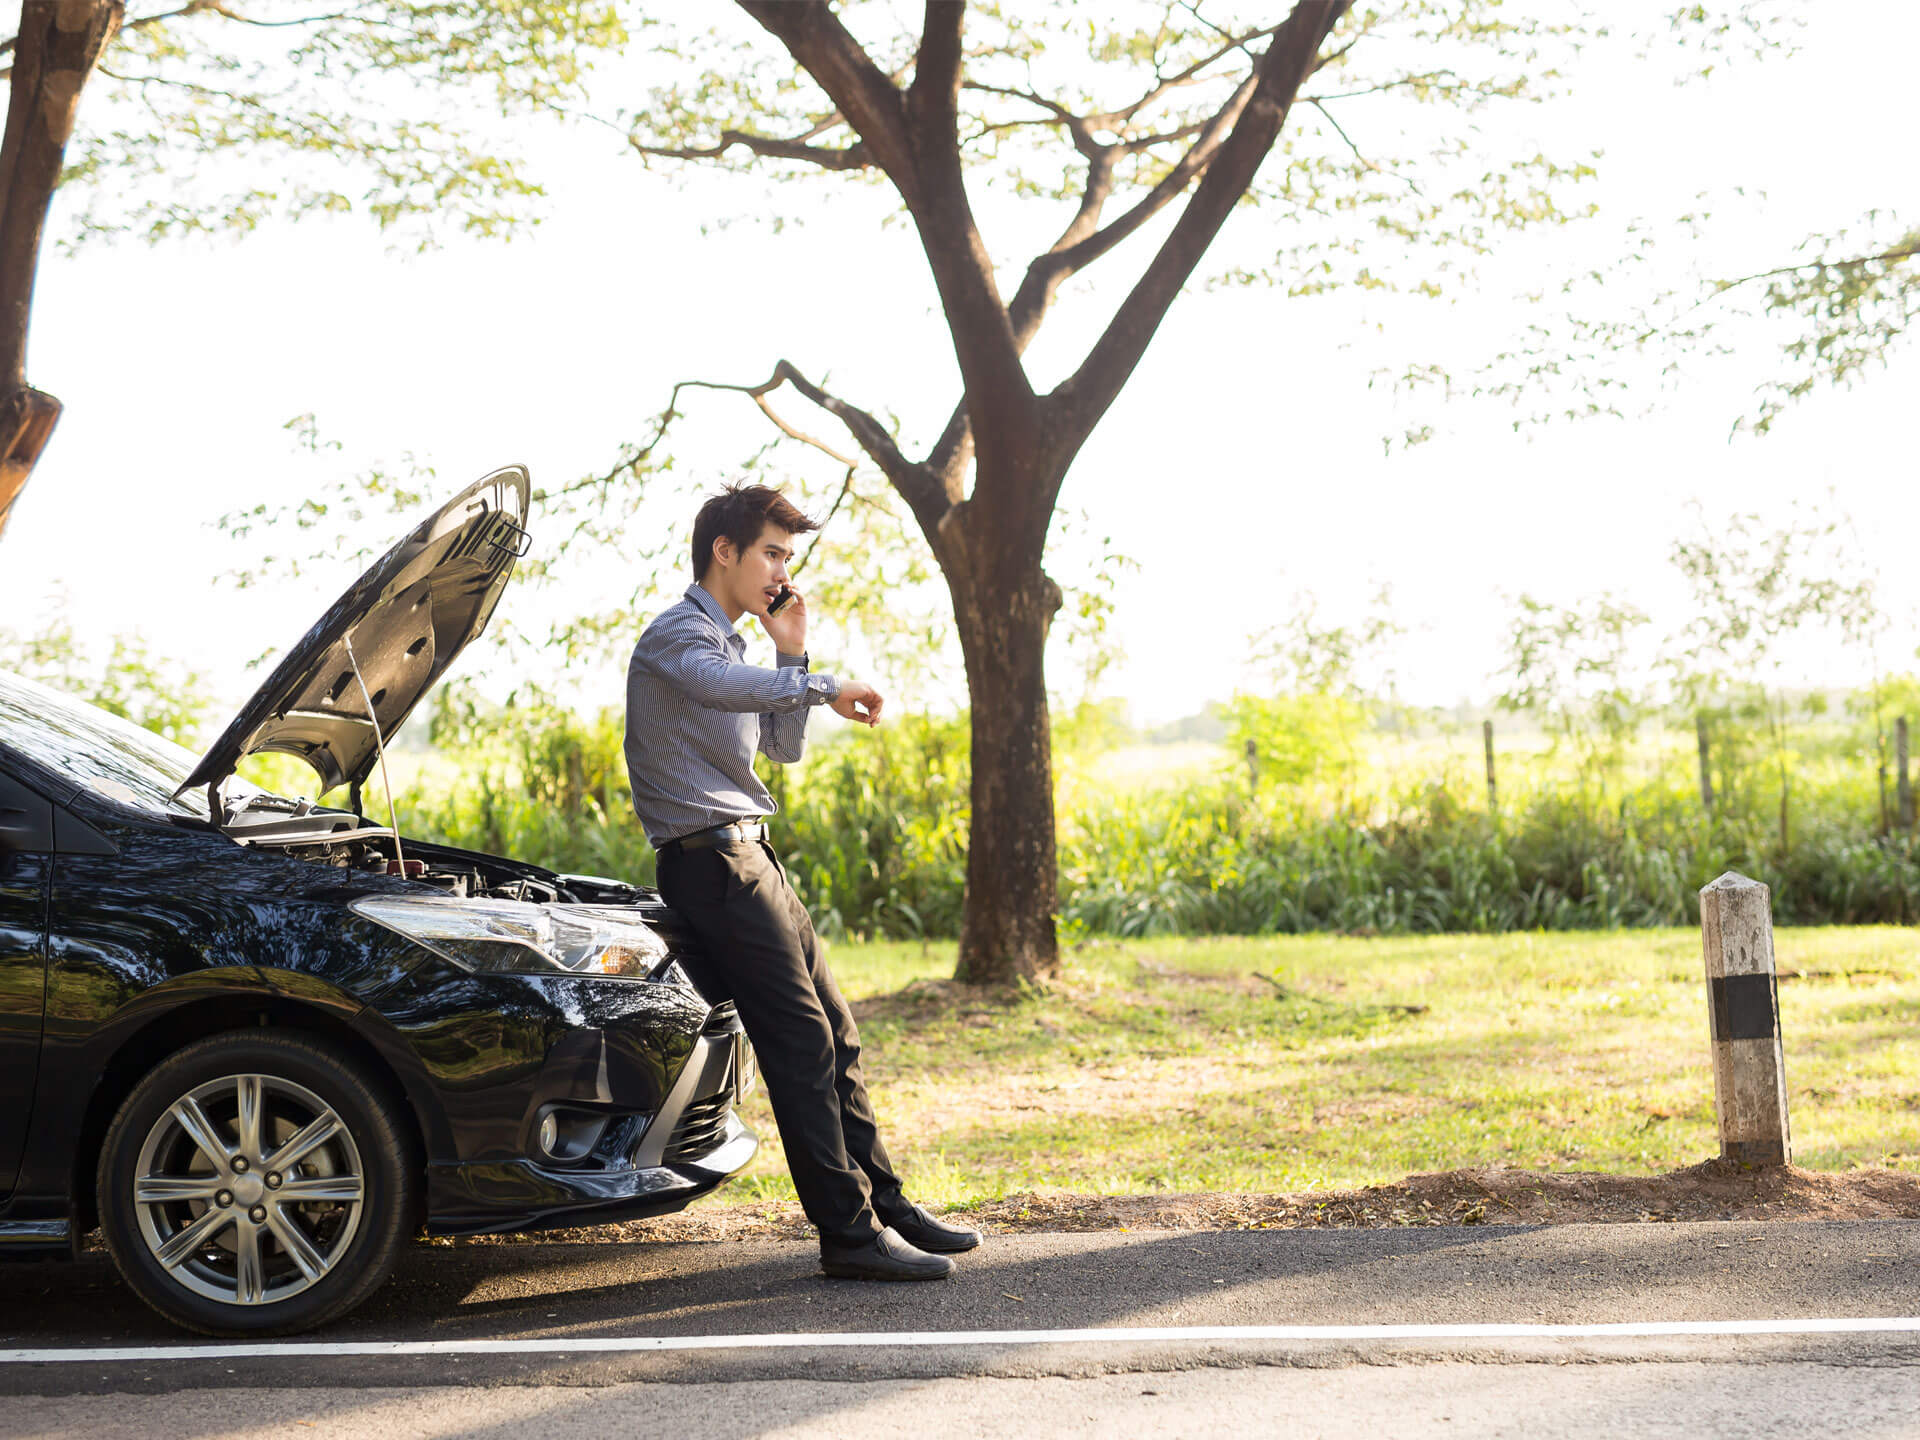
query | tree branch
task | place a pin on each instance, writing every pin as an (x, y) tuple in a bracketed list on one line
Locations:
[(1900, 252), (1165, 137), (1080, 247), (1083, 398), (846, 489), (1431, 78), (915, 139), (852, 157), (871, 103), (1057, 113), (916, 484), (1188, 76), (229, 14), (1077, 245), (1082, 242), (933, 100), (1341, 131)]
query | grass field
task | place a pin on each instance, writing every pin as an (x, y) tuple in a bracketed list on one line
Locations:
[(1296, 1063)]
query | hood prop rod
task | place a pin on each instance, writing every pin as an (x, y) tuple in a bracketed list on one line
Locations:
[(380, 749)]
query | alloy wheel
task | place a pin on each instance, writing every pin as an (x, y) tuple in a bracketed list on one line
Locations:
[(248, 1189)]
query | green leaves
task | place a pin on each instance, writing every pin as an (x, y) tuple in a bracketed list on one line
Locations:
[(1844, 309), (206, 119), (168, 698), (1577, 670)]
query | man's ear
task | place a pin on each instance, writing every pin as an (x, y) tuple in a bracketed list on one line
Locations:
[(723, 551)]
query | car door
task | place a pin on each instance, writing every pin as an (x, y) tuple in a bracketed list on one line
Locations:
[(26, 872)]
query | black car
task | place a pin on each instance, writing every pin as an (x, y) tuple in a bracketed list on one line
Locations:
[(260, 1042)]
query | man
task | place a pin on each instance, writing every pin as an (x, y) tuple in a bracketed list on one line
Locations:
[(695, 715)]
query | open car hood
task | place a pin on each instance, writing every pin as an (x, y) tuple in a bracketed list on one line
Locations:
[(414, 609)]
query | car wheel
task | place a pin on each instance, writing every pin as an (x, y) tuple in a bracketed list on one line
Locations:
[(256, 1183)]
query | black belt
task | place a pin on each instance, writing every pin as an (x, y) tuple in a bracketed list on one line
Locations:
[(719, 835)]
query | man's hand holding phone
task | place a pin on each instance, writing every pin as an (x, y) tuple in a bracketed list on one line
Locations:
[(859, 701), (785, 621)]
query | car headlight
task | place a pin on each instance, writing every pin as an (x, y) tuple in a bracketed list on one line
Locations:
[(515, 938)]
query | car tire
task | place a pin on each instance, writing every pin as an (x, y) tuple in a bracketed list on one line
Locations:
[(218, 1218)]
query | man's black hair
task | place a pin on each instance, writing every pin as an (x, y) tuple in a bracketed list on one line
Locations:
[(740, 512)]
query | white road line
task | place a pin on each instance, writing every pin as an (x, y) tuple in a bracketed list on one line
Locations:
[(883, 1339)]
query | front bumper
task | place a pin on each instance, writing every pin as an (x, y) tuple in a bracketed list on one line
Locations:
[(653, 1166)]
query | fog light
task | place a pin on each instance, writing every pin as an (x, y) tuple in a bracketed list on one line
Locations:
[(569, 1135)]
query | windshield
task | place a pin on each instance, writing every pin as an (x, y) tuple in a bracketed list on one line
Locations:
[(108, 755)]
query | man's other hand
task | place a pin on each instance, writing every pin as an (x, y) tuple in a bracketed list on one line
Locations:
[(858, 701), (788, 629)]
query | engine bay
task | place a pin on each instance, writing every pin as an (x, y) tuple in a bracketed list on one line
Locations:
[(372, 849), (324, 836)]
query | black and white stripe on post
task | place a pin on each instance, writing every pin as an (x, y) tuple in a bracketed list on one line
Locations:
[(1743, 1000)]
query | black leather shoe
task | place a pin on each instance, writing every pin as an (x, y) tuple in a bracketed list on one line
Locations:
[(885, 1257), (936, 1237)]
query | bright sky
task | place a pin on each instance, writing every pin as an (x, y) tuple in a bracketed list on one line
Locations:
[(1233, 485)]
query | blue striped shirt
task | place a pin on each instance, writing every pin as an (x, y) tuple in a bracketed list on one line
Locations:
[(696, 714)]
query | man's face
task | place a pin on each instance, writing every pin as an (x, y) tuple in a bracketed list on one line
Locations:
[(756, 575)]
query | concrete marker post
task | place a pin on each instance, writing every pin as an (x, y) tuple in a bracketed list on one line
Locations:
[(1743, 1008)]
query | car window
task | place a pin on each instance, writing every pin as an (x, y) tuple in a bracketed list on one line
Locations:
[(108, 755)]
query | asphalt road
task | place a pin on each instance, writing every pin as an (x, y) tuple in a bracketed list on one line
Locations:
[(555, 1298)]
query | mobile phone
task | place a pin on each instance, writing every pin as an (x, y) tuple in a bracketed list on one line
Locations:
[(780, 601)]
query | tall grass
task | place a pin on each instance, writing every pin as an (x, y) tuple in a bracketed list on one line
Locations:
[(873, 830)]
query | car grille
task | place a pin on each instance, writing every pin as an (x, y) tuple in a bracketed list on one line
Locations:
[(702, 1127), (724, 1020)]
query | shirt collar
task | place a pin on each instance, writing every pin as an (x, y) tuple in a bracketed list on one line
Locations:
[(697, 593)]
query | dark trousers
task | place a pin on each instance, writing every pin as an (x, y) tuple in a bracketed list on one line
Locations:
[(761, 952)]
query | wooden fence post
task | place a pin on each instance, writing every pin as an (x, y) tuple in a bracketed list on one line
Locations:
[(1743, 1005), (1903, 783), (1493, 793), (1706, 770)]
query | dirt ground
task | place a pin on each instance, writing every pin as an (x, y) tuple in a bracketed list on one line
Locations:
[(1716, 1190)]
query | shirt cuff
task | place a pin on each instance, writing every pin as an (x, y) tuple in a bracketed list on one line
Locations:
[(820, 689)]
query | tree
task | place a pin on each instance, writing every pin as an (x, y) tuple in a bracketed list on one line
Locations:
[(1754, 590), (1838, 310), (989, 541), (54, 51), (1141, 120), (1572, 667), (1207, 106), (1328, 684)]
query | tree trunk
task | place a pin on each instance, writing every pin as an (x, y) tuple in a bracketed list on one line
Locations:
[(1004, 607), (58, 43)]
